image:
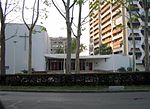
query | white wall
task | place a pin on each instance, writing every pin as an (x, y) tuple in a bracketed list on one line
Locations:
[(40, 47), (112, 64)]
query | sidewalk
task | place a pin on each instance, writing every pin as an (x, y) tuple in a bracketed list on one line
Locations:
[(76, 89)]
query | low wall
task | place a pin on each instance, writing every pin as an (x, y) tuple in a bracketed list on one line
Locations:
[(137, 78)]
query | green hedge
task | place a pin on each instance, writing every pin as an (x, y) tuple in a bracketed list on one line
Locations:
[(134, 78)]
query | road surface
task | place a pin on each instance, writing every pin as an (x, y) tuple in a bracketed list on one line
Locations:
[(31, 100)]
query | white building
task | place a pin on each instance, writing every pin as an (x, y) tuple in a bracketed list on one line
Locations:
[(42, 60), (17, 48), (92, 63)]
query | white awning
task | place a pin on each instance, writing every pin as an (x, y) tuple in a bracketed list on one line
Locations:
[(62, 56)]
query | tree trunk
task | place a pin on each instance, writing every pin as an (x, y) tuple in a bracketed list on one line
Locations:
[(30, 29), (3, 71), (68, 23), (68, 60), (30, 53), (77, 61), (2, 42)]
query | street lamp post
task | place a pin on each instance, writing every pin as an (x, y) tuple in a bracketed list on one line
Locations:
[(133, 38), (64, 58), (14, 61)]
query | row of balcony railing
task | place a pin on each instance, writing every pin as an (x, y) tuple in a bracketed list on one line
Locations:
[(105, 8), (116, 31)]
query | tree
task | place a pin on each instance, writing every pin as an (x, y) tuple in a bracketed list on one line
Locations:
[(2, 40), (35, 15), (5, 8), (146, 6), (77, 61), (60, 49), (81, 22), (104, 49), (74, 46), (69, 7), (79, 28)]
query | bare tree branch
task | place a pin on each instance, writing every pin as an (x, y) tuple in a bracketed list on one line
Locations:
[(72, 15), (58, 9), (73, 4), (12, 35), (33, 11), (12, 9), (73, 33), (82, 22), (64, 3), (23, 15), (36, 15), (5, 10), (13, 19)]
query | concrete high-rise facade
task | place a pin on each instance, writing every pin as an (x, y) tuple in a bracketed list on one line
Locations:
[(109, 24), (105, 27), (57, 44)]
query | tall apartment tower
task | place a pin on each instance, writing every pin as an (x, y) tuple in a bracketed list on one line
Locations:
[(109, 24)]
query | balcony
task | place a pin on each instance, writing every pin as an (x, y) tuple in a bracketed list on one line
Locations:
[(105, 19), (115, 6), (117, 36), (107, 29), (106, 24), (144, 5), (116, 13), (136, 38), (117, 31), (135, 24), (107, 40), (116, 46), (105, 8)]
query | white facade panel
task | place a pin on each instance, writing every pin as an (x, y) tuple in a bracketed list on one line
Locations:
[(17, 48), (113, 63)]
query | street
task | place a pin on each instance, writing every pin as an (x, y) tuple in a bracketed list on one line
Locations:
[(31, 100)]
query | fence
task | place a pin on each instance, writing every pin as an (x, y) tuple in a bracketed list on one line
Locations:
[(136, 78)]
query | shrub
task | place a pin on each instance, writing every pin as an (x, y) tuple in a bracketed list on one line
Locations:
[(129, 69), (121, 69)]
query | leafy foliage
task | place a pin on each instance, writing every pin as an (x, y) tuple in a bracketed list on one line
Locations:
[(60, 49), (74, 45), (122, 69), (104, 49)]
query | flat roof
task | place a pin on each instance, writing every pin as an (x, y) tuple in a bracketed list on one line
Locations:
[(73, 56)]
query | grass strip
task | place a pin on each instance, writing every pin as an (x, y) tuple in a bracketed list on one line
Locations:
[(53, 88), (69, 88)]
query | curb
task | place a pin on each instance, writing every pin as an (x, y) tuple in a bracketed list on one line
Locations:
[(75, 91)]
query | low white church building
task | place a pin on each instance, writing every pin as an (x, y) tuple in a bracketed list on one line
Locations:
[(88, 64), (17, 48), (42, 60)]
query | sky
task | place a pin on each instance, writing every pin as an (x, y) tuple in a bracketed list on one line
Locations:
[(55, 23)]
